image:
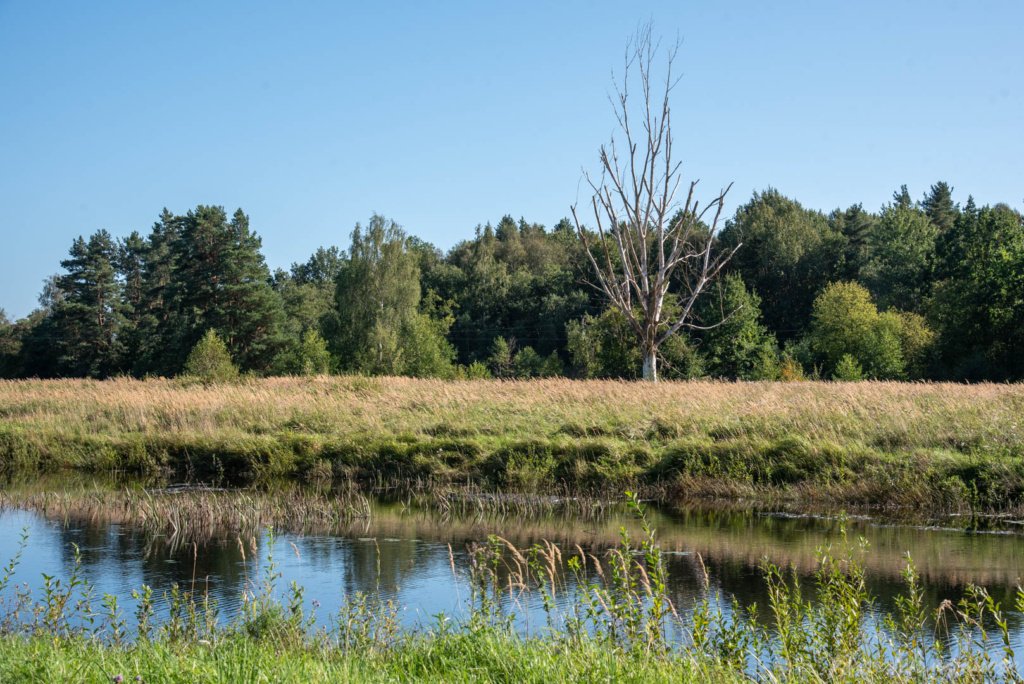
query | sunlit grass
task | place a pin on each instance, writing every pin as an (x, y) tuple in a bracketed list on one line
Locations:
[(945, 446)]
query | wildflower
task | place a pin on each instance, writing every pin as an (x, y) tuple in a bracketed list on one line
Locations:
[(118, 679)]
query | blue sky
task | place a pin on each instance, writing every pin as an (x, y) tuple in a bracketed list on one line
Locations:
[(311, 116)]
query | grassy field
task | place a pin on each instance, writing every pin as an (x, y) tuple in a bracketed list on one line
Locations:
[(916, 446)]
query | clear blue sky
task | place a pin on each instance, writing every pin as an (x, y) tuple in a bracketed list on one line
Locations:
[(444, 115)]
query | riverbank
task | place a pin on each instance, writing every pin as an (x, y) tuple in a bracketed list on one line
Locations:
[(873, 445)]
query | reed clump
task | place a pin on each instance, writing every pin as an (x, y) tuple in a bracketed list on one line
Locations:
[(869, 444), (184, 515)]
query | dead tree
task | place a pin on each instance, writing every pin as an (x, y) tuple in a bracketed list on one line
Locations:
[(645, 239)]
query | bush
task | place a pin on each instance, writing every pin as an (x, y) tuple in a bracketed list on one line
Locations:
[(210, 360), (500, 360), (309, 357), (605, 346), (890, 346), (474, 371), (848, 369), (790, 370)]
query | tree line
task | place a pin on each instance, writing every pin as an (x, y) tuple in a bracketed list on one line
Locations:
[(926, 289)]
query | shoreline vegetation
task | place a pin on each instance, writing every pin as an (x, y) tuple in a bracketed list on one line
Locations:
[(620, 624), (882, 446)]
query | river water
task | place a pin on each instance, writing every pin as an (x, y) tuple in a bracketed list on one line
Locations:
[(418, 557)]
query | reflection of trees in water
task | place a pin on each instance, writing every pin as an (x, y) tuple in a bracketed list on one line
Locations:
[(366, 565), (731, 543), (116, 549)]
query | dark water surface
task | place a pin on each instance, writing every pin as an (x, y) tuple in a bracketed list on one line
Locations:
[(407, 554)]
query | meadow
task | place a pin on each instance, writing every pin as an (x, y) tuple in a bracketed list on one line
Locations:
[(873, 445)]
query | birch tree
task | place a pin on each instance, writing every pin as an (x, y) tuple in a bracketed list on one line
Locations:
[(652, 247)]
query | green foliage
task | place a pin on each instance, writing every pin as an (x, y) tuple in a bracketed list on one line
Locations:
[(500, 362), (739, 345), (791, 370), (845, 321), (902, 256), (474, 371), (788, 255), (311, 357), (603, 346), (516, 281), (848, 369), (505, 361), (979, 307), (916, 339), (425, 352), (939, 207), (10, 346), (87, 320), (856, 226), (377, 326), (947, 282), (210, 360), (527, 363), (202, 271), (307, 292), (679, 359)]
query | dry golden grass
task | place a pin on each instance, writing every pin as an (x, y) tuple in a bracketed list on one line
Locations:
[(905, 414), (855, 440)]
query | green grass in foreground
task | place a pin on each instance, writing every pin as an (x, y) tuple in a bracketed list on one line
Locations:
[(453, 658), (871, 444)]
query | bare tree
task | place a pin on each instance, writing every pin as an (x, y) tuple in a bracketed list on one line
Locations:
[(646, 239)]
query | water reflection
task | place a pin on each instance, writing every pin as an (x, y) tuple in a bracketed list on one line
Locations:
[(419, 558)]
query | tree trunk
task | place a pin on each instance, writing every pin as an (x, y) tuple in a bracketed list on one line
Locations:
[(651, 365)]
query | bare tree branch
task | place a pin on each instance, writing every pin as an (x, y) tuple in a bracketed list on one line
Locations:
[(646, 241)]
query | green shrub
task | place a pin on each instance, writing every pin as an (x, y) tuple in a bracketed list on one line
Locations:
[(848, 369), (210, 360), (312, 357)]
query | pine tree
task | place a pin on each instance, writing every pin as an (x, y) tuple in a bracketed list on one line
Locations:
[(130, 263), (741, 346), (901, 259), (901, 198), (939, 207), (856, 226), (220, 280), (157, 329), (88, 319)]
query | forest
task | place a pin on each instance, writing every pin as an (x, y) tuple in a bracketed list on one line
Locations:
[(927, 289)]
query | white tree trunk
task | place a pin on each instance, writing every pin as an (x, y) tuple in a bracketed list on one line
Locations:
[(651, 365)]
